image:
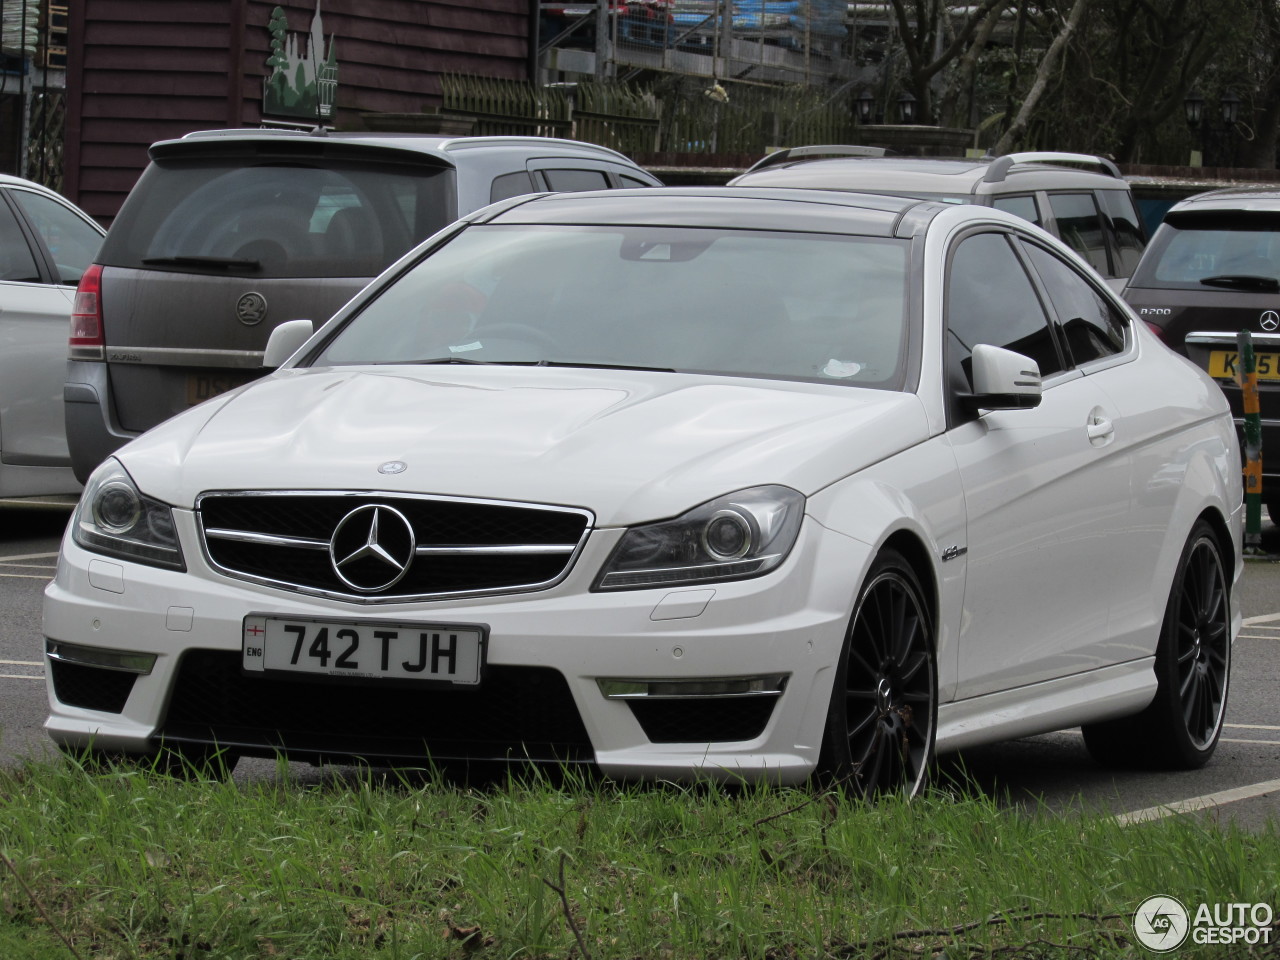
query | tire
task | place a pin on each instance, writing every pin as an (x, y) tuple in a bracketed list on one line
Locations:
[(1179, 730), (884, 703)]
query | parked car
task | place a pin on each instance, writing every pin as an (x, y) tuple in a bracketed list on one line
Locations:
[(716, 482), (46, 243), (229, 233), (1091, 210), (1212, 270)]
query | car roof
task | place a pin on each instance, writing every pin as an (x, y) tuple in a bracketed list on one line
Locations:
[(834, 168), (800, 210), (319, 142), (1254, 198)]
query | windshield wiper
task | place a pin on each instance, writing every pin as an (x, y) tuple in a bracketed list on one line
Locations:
[(1243, 281), (601, 366), (209, 263)]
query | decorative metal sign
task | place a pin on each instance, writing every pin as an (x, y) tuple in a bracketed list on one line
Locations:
[(303, 81)]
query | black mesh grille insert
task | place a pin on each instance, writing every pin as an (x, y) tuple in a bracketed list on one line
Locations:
[(515, 713), (703, 720), (435, 523), (91, 688)]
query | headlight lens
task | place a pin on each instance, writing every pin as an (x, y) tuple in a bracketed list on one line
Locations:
[(744, 534), (113, 518)]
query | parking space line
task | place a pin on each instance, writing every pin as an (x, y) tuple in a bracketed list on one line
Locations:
[(1200, 803), (1233, 726), (29, 556), (1264, 743), (20, 676), (27, 576)]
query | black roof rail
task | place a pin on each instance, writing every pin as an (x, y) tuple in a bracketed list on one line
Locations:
[(827, 150), (999, 168)]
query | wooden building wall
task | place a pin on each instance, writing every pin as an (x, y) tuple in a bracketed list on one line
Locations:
[(146, 70)]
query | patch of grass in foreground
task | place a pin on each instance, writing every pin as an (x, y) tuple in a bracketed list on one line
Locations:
[(129, 864)]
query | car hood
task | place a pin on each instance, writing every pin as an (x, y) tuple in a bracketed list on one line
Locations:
[(629, 446)]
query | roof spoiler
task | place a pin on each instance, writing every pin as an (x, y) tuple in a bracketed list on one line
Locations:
[(828, 150), (999, 168)]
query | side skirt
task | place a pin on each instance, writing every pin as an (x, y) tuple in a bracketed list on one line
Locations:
[(1089, 697)]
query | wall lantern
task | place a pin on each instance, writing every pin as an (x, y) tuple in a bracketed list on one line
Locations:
[(865, 105), (1194, 106), (907, 108)]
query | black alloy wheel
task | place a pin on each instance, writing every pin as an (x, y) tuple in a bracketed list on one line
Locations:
[(1180, 729), (883, 713)]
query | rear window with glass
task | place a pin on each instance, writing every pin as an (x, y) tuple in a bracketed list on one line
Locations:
[(1197, 252), (278, 219)]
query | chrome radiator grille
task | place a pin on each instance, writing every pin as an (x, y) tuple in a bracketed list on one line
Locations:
[(385, 548)]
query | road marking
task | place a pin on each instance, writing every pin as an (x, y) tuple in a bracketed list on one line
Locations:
[(1200, 803), (1233, 726), (22, 663), (20, 676), (1265, 743), (51, 556), (26, 576)]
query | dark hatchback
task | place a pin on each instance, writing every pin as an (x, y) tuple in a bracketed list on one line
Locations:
[(1212, 270)]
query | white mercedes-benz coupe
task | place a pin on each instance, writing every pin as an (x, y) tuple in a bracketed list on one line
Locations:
[(678, 483)]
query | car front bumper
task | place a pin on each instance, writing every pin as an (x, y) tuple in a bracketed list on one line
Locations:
[(570, 675)]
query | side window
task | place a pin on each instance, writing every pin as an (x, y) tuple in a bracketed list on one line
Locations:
[(990, 299), (1126, 227), (71, 242), (630, 183), (16, 261), (511, 185), (1091, 327), (571, 181), (1023, 206), (1080, 228)]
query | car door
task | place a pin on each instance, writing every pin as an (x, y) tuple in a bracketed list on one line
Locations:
[(44, 247), (1045, 489)]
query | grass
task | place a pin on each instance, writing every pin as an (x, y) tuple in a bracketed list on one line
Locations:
[(127, 863)]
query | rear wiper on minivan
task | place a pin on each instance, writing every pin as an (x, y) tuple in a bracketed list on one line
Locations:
[(1243, 281), (209, 263)]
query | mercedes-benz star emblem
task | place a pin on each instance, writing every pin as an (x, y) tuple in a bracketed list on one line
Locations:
[(372, 547), (1269, 321), (251, 309), (392, 467)]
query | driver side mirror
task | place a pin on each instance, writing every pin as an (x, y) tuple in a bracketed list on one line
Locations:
[(1003, 380), (285, 341)]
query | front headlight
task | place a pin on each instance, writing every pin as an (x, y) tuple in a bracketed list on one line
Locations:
[(113, 518), (744, 534)]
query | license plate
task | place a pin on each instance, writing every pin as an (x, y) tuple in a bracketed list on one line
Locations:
[(1223, 364), (202, 386), (427, 652)]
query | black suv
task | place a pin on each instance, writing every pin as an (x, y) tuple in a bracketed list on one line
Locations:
[(229, 233), (1212, 270), (1092, 211)]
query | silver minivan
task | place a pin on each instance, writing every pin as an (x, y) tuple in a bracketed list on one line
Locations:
[(229, 233)]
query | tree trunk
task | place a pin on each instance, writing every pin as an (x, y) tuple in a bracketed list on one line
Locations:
[(1047, 66)]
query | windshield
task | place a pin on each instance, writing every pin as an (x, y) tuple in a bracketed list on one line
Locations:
[(738, 302), (1207, 254)]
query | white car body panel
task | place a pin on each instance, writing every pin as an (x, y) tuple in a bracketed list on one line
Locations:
[(630, 446)]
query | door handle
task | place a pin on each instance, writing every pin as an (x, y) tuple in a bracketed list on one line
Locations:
[(1100, 428)]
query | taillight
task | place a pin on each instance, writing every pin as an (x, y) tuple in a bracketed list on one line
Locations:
[(87, 341), (1158, 331)]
